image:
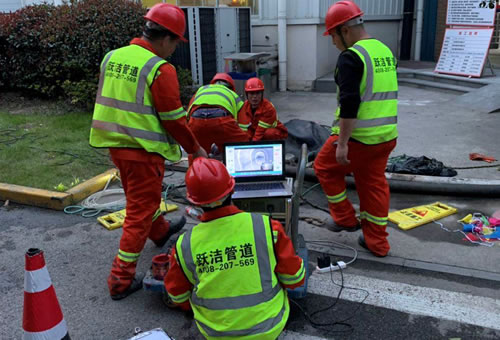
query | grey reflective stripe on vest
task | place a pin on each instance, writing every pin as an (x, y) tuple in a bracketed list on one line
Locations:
[(125, 106), (365, 123), (138, 106), (260, 328), (268, 291), (376, 122), (369, 95), (188, 256), (143, 78), (132, 132)]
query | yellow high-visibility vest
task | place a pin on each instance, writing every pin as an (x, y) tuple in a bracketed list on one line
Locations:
[(236, 292), (378, 110), (124, 115)]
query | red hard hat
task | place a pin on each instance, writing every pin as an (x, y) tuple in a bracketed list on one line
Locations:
[(169, 16), (340, 13), (224, 77), (254, 85), (207, 181)]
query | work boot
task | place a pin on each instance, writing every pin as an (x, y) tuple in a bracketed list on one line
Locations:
[(134, 287), (336, 228), (168, 301), (362, 243), (175, 226)]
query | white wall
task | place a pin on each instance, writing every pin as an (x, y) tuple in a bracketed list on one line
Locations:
[(264, 38), (310, 54), (310, 11), (385, 31), (302, 56), (327, 53)]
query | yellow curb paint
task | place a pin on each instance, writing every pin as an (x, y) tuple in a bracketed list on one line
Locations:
[(36, 197), (54, 199), (93, 185)]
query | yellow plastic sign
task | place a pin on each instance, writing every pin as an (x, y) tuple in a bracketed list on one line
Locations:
[(115, 220), (413, 217)]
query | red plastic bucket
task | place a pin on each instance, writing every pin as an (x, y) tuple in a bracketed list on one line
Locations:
[(160, 266)]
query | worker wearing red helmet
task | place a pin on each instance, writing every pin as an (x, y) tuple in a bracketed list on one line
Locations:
[(213, 113), (364, 131), (258, 114), (138, 115), (232, 268)]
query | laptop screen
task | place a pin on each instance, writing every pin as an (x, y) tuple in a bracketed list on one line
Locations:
[(255, 160)]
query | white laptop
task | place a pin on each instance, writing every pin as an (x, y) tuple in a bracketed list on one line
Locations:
[(258, 169)]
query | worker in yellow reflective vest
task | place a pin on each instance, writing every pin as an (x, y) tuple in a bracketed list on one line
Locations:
[(213, 113), (365, 128), (138, 115), (232, 268)]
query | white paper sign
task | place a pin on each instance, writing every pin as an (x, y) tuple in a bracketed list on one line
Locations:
[(464, 51), (471, 12)]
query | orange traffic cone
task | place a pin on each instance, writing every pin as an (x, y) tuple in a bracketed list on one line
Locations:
[(42, 315)]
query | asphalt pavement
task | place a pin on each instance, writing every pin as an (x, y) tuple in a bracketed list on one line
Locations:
[(434, 283)]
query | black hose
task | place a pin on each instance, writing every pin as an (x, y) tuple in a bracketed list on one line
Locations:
[(425, 184)]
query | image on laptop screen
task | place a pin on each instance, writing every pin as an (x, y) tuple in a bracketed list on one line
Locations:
[(254, 160)]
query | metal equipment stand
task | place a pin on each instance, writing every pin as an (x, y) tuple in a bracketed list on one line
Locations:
[(298, 241), (490, 66)]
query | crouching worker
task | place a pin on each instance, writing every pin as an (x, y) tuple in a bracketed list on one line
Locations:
[(258, 114), (232, 268), (213, 113)]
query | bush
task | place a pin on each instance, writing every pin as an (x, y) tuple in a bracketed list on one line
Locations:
[(56, 51), (185, 84)]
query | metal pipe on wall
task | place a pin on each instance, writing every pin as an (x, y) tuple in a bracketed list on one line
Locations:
[(418, 36), (282, 58), (407, 31)]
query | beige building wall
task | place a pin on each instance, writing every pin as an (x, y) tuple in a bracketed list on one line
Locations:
[(310, 55)]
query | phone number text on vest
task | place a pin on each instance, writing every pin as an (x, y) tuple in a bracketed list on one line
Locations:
[(231, 257)]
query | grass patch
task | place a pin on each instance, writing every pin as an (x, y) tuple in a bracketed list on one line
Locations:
[(43, 148)]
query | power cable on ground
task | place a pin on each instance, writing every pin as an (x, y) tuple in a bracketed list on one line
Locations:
[(92, 205), (343, 322)]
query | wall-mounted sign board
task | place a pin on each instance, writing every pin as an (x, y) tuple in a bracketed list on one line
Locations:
[(464, 51), (471, 12)]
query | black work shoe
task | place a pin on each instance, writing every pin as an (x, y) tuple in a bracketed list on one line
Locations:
[(168, 301), (175, 226), (336, 228), (134, 287), (362, 243)]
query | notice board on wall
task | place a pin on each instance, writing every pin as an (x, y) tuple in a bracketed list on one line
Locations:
[(464, 51), (471, 12)]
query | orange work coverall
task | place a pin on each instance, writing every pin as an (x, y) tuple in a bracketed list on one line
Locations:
[(142, 174), (263, 123)]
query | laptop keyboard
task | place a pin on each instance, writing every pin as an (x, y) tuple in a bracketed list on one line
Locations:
[(258, 186)]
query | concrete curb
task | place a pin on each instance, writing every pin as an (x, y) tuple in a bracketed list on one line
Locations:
[(410, 263), (54, 199)]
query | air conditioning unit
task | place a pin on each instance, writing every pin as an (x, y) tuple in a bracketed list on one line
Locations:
[(213, 33)]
